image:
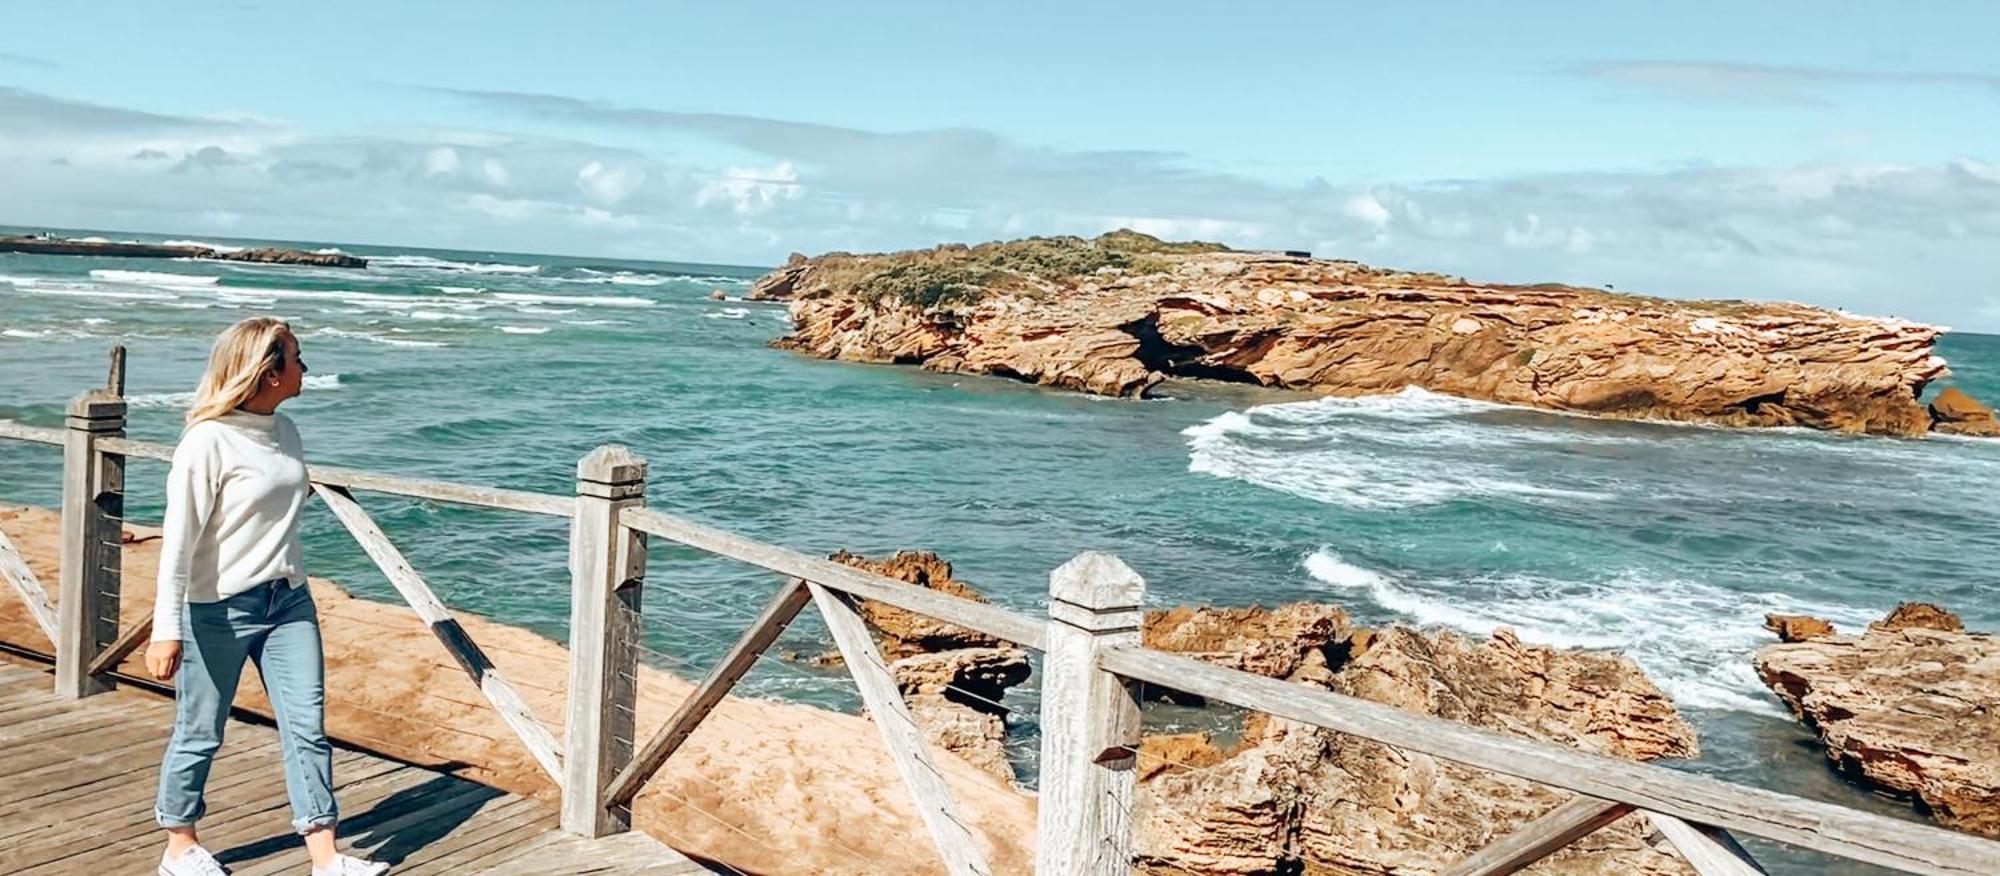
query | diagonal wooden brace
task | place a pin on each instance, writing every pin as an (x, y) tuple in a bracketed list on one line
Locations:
[(777, 614), (498, 691)]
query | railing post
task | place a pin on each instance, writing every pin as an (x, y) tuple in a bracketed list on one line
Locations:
[(93, 519), (1090, 721), (607, 563)]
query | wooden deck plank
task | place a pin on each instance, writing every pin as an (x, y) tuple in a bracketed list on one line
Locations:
[(265, 840), (502, 857), (131, 791), (498, 827), (139, 797), (113, 839), (80, 778)]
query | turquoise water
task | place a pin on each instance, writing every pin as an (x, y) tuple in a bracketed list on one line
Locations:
[(1668, 542)]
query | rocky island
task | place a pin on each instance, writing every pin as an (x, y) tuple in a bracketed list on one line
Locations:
[(1119, 314), (265, 255)]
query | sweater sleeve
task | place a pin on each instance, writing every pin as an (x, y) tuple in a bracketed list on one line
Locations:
[(191, 491)]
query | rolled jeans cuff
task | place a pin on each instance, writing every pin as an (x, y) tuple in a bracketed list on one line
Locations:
[(174, 821), (316, 822)]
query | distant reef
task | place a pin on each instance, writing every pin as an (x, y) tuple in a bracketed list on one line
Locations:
[(1119, 314), (62, 246)]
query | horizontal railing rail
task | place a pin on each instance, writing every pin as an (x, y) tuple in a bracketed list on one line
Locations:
[(1090, 715), (976, 616)]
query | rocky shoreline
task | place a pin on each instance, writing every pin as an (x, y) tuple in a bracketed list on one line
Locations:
[(1119, 314), (264, 255), (1282, 797), (1269, 797), (1909, 706)]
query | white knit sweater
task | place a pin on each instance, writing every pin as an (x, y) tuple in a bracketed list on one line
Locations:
[(233, 500)]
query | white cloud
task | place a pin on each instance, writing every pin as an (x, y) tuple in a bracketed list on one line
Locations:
[(1769, 83), (442, 161), (609, 185), (495, 172), (1365, 208), (1906, 240), (752, 190)]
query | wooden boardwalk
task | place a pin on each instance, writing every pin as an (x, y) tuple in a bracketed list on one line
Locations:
[(77, 781)]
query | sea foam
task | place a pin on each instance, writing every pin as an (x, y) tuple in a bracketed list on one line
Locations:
[(152, 278), (428, 263), (316, 382), (1372, 452), (1693, 639)]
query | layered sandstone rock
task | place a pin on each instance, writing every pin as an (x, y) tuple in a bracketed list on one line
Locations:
[(1289, 798), (1911, 706), (1119, 314), (955, 698), (1954, 411), (953, 678), (1797, 627), (901, 633), (1274, 642)]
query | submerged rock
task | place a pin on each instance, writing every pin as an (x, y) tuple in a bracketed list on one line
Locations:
[(1119, 314), (1911, 706)]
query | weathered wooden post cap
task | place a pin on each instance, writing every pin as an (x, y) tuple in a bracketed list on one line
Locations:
[(611, 471), (98, 410), (1096, 592)]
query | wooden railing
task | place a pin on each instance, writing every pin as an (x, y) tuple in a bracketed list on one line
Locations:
[(1089, 712)]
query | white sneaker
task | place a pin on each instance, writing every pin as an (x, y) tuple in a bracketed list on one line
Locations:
[(347, 866), (196, 861)]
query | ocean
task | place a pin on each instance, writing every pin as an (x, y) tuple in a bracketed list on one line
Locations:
[(1666, 542)]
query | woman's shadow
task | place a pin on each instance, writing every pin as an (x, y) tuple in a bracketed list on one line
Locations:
[(396, 826)]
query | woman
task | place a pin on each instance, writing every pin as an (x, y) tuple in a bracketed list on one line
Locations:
[(232, 586)]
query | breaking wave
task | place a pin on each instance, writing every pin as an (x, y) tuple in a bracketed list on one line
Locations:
[(152, 278), (1693, 639), (1375, 452)]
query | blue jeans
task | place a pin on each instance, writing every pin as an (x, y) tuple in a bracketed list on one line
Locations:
[(276, 625)]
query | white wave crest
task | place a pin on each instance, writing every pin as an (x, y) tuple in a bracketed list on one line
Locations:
[(428, 263), (1693, 639), (332, 332), (1374, 452), (617, 278), (728, 313), (596, 300), (152, 278), (218, 247), (186, 399), (524, 330), (71, 291)]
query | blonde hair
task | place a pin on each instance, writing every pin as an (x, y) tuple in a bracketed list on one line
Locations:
[(244, 354)]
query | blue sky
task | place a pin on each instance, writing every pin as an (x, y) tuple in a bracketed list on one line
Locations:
[(1842, 154)]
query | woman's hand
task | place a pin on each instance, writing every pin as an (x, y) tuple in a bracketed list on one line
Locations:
[(163, 659)]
